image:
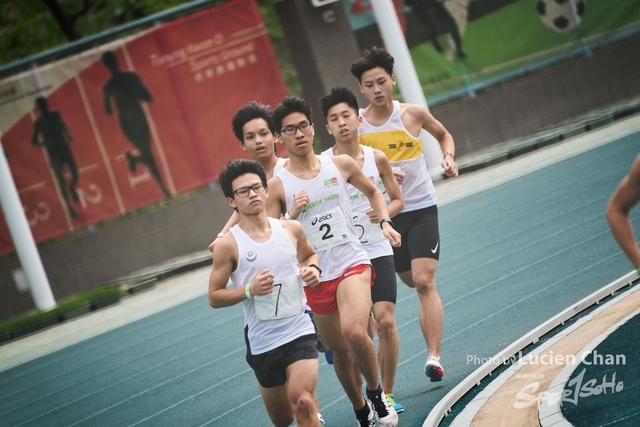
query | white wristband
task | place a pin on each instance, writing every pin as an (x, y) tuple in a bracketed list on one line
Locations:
[(247, 290)]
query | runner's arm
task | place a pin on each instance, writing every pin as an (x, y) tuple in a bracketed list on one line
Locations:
[(305, 252), (276, 203), (233, 220), (225, 257), (396, 203), (441, 134), (352, 173), (626, 196)]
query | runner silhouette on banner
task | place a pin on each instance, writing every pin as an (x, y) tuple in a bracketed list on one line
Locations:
[(50, 132), (128, 91)]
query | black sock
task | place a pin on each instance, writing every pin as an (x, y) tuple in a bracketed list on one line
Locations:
[(374, 394), (363, 413)]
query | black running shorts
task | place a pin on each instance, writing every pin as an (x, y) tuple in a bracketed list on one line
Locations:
[(385, 286), (420, 237), (271, 367)]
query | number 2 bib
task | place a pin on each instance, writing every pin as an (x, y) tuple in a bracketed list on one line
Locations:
[(327, 229), (284, 301), (367, 232)]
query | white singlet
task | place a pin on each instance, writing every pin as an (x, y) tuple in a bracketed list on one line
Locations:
[(327, 218), (371, 237), (278, 318), (279, 165)]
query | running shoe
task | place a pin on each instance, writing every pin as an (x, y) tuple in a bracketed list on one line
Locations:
[(385, 412), (321, 420), (392, 400), (329, 356), (370, 421), (433, 369), (322, 347)]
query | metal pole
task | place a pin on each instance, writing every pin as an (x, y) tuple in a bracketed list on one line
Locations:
[(407, 77), (22, 238)]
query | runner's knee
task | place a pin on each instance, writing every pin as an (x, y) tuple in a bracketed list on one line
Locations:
[(425, 285), (386, 324), (354, 334), (305, 403)]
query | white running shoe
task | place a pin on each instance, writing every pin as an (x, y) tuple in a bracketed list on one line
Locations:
[(385, 412), (433, 369)]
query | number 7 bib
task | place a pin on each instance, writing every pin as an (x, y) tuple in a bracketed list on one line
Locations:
[(284, 301), (327, 229)]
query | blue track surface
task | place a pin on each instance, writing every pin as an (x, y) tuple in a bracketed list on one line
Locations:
[(512, 257)]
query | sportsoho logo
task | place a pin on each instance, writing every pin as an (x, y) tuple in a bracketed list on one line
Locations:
[(572, 392)]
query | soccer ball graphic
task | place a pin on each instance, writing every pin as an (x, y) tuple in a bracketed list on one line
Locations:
[(561, 15)]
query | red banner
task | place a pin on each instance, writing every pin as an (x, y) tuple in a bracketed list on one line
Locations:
[(135, 121)]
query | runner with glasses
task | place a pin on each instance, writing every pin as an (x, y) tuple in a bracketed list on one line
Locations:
[(313, 190), (269, 261)]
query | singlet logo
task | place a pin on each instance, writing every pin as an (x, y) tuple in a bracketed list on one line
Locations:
[(330, 182), (322, 218), (251, 256), (400, 145), (372, 179), (312, 205)]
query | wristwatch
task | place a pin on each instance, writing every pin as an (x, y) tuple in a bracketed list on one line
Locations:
[(316, 267), (383, 220)]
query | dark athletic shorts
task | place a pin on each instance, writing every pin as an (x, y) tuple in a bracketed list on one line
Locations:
[(271, 367), (385, 286), (420, 237)]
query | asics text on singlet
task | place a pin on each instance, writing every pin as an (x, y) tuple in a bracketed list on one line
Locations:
[(327, 219)]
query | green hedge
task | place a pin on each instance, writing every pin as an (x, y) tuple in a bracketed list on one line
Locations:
[(65, 306)]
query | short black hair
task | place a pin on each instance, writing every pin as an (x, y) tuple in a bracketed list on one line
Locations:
[(252, 110), (336, 96), (236, 168), (290, 104), (372, 58)]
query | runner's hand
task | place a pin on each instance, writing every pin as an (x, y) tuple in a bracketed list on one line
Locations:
[(399, 175), (300, 200), (310, 276), (262, 284), (450, 167), (373, 216), (392, 235)]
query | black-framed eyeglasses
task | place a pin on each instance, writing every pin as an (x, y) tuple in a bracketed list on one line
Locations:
[(291, 130), (258, 187)]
